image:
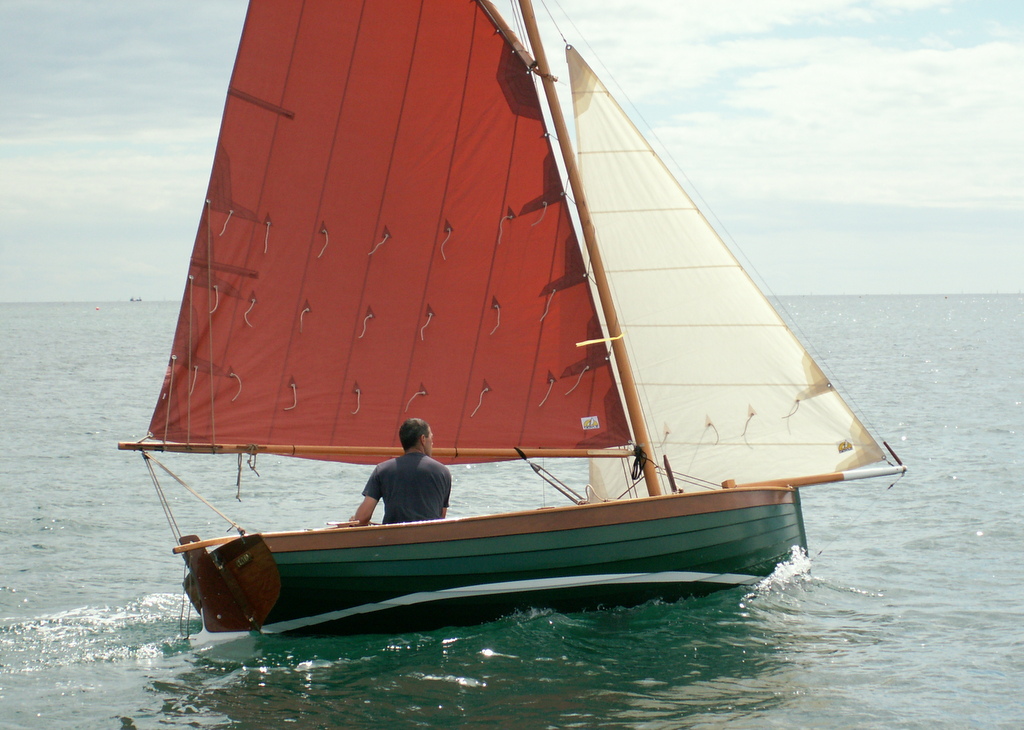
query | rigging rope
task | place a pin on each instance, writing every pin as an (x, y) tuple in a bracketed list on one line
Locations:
[(553, 21), (185, 612), (252, 465), (150, 460), (856, 518), (162, 498), (564, 489)]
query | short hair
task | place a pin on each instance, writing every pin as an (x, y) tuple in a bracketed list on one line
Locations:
[(410, 432)]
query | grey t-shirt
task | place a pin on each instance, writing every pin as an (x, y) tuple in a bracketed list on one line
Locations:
[(414, 487)]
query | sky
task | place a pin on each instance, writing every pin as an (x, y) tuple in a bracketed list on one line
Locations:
[(839, 146)]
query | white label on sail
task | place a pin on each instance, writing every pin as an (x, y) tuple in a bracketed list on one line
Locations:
[(590, 423)]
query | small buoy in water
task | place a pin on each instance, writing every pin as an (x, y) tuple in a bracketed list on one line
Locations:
[(97, 309)]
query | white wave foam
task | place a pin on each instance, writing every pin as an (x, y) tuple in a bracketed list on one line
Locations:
[(794, 571)]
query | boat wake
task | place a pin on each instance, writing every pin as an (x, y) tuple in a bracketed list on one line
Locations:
[(143, 629)]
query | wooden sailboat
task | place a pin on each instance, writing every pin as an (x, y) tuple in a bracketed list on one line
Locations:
[(386, 235)]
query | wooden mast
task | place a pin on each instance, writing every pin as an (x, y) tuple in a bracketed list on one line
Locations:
[(625, 372)]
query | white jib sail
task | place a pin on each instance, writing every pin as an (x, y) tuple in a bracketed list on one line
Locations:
[(727, 390)]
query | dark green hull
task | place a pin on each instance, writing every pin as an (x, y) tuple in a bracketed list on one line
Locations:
[(420, 576)]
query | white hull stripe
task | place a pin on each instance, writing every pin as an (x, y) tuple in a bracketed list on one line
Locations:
[(519, 586)]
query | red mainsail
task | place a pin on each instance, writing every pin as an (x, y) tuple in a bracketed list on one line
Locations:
[(385, 236)]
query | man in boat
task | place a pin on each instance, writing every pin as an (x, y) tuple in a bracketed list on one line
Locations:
[(414, 486)]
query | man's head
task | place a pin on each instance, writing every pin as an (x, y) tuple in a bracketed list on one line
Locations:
[(415, 435)]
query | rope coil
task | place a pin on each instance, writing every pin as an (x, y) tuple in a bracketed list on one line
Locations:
[(639, 462)]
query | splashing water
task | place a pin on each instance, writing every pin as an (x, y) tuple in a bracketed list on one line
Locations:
[(794, 571)]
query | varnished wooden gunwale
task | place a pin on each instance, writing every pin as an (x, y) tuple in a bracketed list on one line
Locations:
[(511, 523)]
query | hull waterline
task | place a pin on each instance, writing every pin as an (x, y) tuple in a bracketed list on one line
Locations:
[(427, 575)]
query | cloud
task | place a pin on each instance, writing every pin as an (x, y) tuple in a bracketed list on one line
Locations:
[(841, 101), (848, 121), (842, 143), (111, 65), (775, 109)]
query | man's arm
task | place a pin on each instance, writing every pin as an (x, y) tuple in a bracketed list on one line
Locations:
[(365, 511)]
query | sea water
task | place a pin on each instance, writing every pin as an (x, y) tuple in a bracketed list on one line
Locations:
[(906, 613)]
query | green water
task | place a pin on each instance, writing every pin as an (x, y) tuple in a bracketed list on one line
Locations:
[(907, 613)]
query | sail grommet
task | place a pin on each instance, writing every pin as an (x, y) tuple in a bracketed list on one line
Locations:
[(486, 389), (750, 415), (366, 320), (421, 391), (578, 380), (547, 306), (708, 424), (543, 212), (430, 316), (226, 220), (387, 235), (447, 229), (501, 224), (252, 303), (295, 395), (551, 384), (497, 308), (327, 239)]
